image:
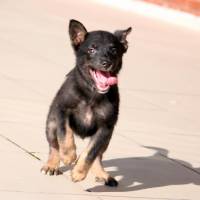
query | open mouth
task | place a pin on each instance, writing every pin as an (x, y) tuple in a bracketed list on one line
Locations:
[(103, 80)]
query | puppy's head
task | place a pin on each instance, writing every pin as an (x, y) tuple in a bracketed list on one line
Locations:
[(99, 54)]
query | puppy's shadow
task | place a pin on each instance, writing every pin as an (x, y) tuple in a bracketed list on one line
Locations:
[(149, 172)]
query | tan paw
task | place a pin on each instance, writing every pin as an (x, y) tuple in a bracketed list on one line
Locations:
[(50, 170), (69, 158), (78, 175)]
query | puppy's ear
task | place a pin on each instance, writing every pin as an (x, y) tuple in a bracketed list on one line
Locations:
[(121, 35), (77, 33)]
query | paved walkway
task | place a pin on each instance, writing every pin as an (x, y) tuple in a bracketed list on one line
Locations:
[(155, 151)]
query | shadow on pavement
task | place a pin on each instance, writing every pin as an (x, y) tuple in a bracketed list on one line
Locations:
[(149, 172)]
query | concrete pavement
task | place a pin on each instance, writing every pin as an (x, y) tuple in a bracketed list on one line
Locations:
[(155, 149)]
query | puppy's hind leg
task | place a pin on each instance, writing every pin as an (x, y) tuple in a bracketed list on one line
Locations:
[(52, 164)]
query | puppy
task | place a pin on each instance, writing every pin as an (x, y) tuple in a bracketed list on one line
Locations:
[(87, 103)]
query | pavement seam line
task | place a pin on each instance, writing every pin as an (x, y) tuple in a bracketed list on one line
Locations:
[(99, 197), (173, 160), (24, 150), (179, 163), (20, 147)]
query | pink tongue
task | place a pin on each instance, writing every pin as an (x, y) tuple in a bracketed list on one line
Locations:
[(106, 78), (112, 80)]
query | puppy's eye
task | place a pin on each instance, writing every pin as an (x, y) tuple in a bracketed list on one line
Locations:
[(91, 50), (114, 50)]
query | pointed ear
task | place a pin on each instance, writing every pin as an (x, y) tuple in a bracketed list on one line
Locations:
[(77, 32), (121, 35)]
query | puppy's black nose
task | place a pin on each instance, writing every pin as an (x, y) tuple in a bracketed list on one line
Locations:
[(106, 64)]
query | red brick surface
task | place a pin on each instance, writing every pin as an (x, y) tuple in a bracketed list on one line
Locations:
[(192, 6)]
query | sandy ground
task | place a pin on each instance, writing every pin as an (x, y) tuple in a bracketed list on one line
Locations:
[(155, 150)]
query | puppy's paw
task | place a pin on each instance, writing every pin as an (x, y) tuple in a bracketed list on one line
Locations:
[(50, 170), (78, 175), (69, 158), (111, 182)]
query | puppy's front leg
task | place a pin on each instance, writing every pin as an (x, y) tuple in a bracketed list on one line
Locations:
[(98, 170), (97, 146)]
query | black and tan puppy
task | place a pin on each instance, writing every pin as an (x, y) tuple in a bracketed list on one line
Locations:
[(87, 103)]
